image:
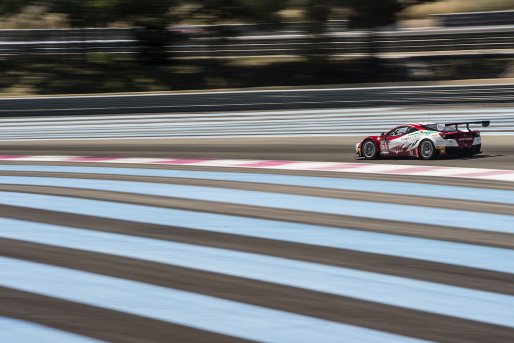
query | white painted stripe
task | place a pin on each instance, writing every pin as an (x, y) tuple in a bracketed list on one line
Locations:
[(134, 160), (117, 137), (505, 177), (378, 112), (315, 122), (355, 118), (301, 166), (180, 307), (221, 163), (369, 168), (46, 158), (271, 114)]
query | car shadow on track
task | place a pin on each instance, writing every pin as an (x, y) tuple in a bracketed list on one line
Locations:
[(475, 157), (444, 158)]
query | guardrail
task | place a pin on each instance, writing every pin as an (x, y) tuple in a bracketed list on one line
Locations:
[(199, 44), (476, 18), (258, 100)]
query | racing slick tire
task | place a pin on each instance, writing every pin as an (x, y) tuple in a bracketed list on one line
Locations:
[(369, 150), (476, 149), (468, 153), (427, 150)]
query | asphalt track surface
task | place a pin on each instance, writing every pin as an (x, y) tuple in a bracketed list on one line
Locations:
[(498, 151), (303, 135), (119, 256)]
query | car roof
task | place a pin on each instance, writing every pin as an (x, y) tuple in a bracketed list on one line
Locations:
[(411, 125)]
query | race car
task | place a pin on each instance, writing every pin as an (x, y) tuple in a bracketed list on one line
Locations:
[(424, 141)]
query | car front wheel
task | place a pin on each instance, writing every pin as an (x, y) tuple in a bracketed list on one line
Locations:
[(369, 150)]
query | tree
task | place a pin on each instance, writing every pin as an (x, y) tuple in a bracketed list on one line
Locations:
[(223, 11), (12, 6), (369, 14), (149, 18), (317, 14), (219, 13)]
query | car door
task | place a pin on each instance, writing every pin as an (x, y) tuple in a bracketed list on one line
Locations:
[(394, 143)]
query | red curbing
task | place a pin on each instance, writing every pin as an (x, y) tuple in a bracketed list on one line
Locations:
[(335, 167)]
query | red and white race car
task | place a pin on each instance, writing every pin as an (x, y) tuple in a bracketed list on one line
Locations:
[(423, 140)]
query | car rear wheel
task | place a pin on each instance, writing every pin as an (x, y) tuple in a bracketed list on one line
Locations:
[(426, 150), (369, 150), (476, 149)]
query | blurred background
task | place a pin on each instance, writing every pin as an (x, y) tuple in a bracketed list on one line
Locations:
[(87, 46)]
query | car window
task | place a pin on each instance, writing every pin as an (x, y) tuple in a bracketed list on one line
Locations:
[(399, 131), (411, 130), (433, 127)]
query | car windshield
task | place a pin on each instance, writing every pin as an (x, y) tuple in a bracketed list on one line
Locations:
[(399, 131), (433, 127)]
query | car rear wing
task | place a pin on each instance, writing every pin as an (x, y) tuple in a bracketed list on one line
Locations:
[(485, 123)]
